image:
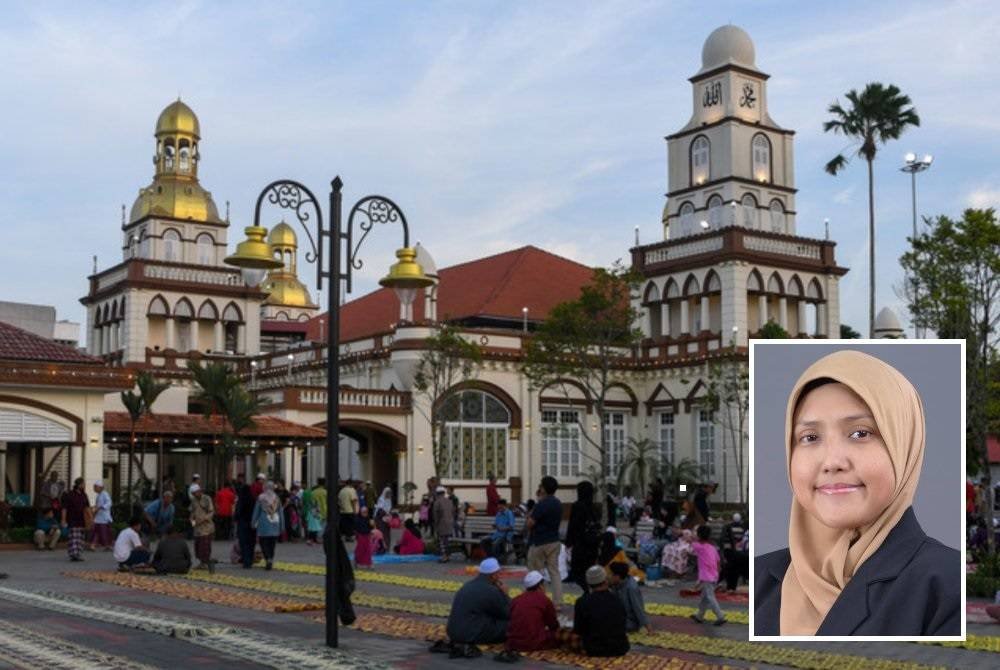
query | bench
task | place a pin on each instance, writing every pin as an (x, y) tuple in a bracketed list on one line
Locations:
[(478, 527)]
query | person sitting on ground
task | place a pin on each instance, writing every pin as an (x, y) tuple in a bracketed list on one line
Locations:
[(480, 611), (599, 617), (533, 620), (47, 531), (611, 552), (159, 515), (676, 555), (173, 556), (394, 520), (497, 543), (410, 544), (627, 590), (129, 551)]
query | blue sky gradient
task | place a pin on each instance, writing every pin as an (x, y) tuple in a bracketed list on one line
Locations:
[(493, 124)]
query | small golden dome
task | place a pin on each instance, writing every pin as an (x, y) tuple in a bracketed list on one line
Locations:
[(178, 118), (178, 199), (286, 290), (283, 235)]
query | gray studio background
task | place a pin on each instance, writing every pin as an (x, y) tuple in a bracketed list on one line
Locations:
[(933, 369)]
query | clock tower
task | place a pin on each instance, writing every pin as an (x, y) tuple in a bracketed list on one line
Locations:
[(731, 164)]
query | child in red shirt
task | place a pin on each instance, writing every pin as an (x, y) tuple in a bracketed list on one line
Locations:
[(533, 622)]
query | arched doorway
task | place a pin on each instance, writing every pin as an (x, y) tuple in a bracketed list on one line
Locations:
[(377, 448)]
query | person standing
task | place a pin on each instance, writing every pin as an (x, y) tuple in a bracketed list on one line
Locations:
[(543, 543), (102, 518), (316, 512), (701, 499), (75, 505), (268, 522), (582, 534), (244, 511), (293, 512), (444, 522), (225, 499), (492, 496), (383, 510), (363, 537), (370, 498), (258, 485), (159, 514), (708, 575), (195, 481), (599, 617), (203, 524), (347, 500), (737, 563)]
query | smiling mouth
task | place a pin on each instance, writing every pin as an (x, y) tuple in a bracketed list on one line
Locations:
[(837, 489)]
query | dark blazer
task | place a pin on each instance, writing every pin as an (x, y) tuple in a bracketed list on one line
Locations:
[(911, 586)]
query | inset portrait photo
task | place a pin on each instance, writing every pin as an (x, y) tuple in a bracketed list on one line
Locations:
[(857, 485)]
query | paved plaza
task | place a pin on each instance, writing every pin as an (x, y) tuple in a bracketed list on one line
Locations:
[(56, 614)]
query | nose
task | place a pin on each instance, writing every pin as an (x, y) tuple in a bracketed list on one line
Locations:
[(836, 455)]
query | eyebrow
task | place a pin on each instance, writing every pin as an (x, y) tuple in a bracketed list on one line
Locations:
[(846, 419)]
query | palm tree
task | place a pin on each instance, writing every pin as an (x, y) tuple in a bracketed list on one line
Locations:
[(213, 384), (876, 115), (239, 408), (684, 471), (133, 404), (149, 391), (641, 461)]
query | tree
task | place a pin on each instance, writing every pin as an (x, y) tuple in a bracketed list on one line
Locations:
[(684, 471), (149, 391), (642, 460), (772, 331), (580, 345), (448, 360), (727, 391), (239, 406), (848, 333), (133, 405), (215, 386), (876, 115), (959, 266)]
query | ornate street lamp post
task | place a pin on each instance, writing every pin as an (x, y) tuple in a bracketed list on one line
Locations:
[(912, 167), (254, 258)]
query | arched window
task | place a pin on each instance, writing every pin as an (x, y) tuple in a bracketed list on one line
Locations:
[(206, 249), (687, 219), (475, 435), (700, 160), (761, 148), (168, 154), (171, 245), (143, 244), (750, 219), (777, 217), (184, 154), (715, 212)]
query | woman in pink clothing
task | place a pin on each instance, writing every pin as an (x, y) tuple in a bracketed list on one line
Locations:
[(708, 575)]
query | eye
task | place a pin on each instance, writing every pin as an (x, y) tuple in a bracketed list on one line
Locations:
[(861, 434), (808, 438)]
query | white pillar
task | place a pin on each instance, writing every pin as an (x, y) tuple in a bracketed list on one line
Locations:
[(241, 338), (220, 337), (761, 310), (684, 316), (193, 345), (705, 323), (783, 312), (665, 319), (803, 326), (116, 336), (171, 332), (822, 327)]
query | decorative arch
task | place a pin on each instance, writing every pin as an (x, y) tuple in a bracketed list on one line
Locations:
[(774, 283), (700, 160), (232, 313), (75, 421), (795, 286), (633, 402), (691, 286), (814, 290), (671, 290), (652, 294), (172, 244), (661, 397), (505, 398), (754, 281), (120, 313), (686, 216), (184, 309), (158, 307), (714, 208), (692, 397), (205, 247), (776, 213), (761, 165), (751, 218), (281, 316), (208, 310), (587, 401), (712, 283), (103, 314)]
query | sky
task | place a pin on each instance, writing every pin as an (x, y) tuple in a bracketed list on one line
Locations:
[(492, 124)]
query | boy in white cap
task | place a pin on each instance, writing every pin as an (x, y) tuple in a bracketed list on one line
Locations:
[(102, 519), (599, 617), (533, 620), (480, 612), (203, 525)]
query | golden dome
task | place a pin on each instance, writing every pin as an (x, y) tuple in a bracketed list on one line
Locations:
[(286, 290), (178, 118), (283, 235), (177, 198)]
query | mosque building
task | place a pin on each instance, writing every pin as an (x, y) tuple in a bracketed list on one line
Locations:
[(729, 262)]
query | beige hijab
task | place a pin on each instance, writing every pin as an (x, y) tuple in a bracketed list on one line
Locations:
[(824, 559)]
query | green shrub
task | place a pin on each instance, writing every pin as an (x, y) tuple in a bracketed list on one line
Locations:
[(985, 581)]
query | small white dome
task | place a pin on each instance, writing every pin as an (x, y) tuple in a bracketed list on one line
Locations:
[(887, 320), (426, 261), (727, 45)]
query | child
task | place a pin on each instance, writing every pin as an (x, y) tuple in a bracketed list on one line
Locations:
[(708, 575), (394, 520), (363, 537), (627, 590), (425, 514)]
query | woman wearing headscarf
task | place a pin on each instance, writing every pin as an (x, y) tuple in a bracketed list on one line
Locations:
[(858, 562), (383, 508), (410, 544), (582, 534), (268, 522), (611, 552)]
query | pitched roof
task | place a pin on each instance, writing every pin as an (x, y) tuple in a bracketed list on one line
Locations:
[(495, 286), (20, 345), (265, 427)]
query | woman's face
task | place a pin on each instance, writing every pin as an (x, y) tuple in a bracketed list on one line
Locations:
[(840, 470)]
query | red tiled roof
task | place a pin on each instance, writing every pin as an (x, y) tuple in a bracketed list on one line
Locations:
[(20, 345), (276, 326), (266, 427), (496, 286)]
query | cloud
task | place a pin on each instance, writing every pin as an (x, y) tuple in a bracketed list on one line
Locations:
[(844, 196), (983, 197)]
